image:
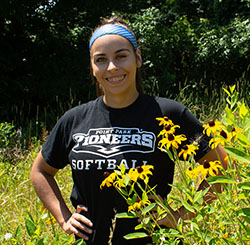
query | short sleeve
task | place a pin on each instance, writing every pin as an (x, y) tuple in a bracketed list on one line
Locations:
[(193, 129), (54, 150)]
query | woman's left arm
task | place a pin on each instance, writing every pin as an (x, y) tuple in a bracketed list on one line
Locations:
[(215, 154)]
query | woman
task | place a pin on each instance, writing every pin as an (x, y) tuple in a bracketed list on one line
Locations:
[(117, 128)]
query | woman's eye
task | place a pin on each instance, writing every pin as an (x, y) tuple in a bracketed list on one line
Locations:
[(100, 59), (120, 56)]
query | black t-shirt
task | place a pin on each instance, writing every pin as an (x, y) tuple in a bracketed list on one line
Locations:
[(94, 138)]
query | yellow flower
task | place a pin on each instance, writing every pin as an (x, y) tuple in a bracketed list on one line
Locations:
[(164, 121), (168, 129), (212, 127), (221, 139), (137, 205), (140, 172), (172, 140), (193, 173), (109, 179), (234, 133), (210, 168), (51, 220), (188, 150), (42, 208), (120, 182), (225, 235)]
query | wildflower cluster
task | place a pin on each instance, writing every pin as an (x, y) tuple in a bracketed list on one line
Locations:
[(228, 216)]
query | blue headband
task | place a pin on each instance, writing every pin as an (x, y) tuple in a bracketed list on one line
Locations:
[(113, 29)]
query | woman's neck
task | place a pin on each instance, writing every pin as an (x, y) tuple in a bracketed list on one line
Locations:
[(120, 101)]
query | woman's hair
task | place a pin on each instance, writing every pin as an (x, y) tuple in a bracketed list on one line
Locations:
[(118, 21)]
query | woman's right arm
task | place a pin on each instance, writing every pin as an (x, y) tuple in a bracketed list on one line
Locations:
[(42, 178)]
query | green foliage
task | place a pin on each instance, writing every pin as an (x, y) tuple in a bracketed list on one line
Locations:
[(44, 50), (210, 215), (7, 132)]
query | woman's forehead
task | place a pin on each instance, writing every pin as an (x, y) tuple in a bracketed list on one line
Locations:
[(109, 43)]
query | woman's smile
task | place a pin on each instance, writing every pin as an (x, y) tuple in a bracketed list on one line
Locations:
[(115, 79)]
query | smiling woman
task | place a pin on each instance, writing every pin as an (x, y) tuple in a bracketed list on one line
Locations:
[(114, 64), (117, 129)]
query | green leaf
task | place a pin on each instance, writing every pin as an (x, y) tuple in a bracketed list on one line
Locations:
[(244, 212), (125, 215), (126, 179), (188, 206), (18, 232), (220, 179), (30, 227), (237, 154), (243, 139), (140, 226), (244, 185), (148, 208), (136, 235), (198, 195)]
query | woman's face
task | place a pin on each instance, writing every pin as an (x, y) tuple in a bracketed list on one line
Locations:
[(114, 65)]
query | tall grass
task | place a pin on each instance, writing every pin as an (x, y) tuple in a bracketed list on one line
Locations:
[(23, 219)]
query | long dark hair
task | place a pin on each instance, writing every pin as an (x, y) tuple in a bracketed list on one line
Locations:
[(118, 21)]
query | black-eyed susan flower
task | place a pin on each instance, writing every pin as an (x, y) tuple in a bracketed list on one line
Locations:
[(221, 139), (120, 182), (212, 127), (141, 172), (188, 150), (110, 178), (168, 129), (193, 173), (172, 140), (164, 121), (51, 220), (235, 132), (137, 205), (210, 168)]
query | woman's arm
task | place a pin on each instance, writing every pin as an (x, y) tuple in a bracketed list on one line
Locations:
[(172, 219), (42, 178)]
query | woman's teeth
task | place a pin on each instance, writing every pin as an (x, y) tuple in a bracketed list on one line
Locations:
[(115, 79)]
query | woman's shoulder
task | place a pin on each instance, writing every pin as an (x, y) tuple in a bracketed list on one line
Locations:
[(80, 111), (166, 104)]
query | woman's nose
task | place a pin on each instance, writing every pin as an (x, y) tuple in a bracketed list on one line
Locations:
[(112, 66)]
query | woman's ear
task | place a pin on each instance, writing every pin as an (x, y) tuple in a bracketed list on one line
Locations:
[(138, 58)]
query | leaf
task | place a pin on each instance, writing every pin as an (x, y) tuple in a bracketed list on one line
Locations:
[(148, 208), (140, 226), (220, 179), (136, 235), (237, 154), (243, 111), (125, 215), (126, 179), (243, 140), (227, 92), (198, 195), (244, 212), (244, 185), (18, 232), (30, 227), (188, 206)]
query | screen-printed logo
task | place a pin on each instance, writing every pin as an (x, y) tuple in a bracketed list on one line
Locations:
[(109, 142)]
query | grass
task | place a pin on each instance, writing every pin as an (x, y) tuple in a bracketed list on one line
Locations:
[(22, 216)]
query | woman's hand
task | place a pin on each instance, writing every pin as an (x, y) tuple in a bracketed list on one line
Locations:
[(171, 220), (77, 223)]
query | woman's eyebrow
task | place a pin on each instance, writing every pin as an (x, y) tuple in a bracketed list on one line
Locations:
[(117, 51), (122, 49)]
